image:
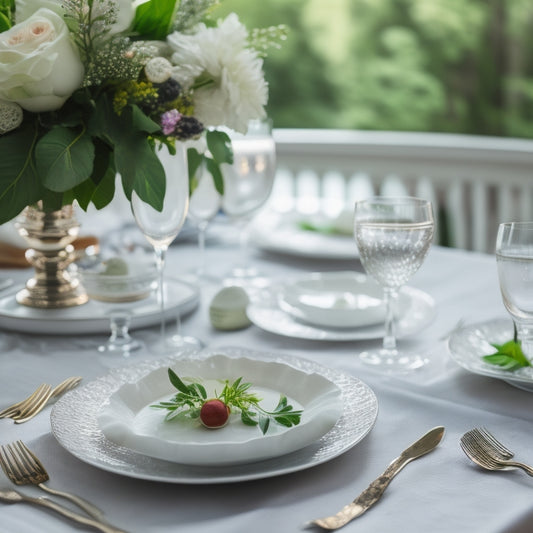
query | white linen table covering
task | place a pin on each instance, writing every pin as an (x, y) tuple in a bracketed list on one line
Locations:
[(441, 492)]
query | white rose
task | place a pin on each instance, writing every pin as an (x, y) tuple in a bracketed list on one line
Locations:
[(26, 8), (39, 66)]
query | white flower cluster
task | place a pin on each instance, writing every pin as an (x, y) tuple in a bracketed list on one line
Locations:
[(233, 89)]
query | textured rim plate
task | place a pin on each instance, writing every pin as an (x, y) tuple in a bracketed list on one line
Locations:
[(75, 426), (92, 317), (417, 312), (279, 232), (129, 420), (468, 344)]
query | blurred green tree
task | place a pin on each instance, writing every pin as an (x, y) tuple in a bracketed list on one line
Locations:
[(427, 65)]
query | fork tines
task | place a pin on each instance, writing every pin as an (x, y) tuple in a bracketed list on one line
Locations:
[(485, 439)]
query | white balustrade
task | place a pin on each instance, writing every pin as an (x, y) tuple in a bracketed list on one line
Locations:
[(474, 182)]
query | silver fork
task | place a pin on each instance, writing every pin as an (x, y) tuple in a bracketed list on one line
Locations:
[(16, 407), (485, 438), (482, 456), (64, 386), (22, 467)]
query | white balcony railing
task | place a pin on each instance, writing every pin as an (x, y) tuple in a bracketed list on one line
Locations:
[(474, 182)]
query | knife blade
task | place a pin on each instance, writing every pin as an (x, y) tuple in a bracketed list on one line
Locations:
[(375, 490)]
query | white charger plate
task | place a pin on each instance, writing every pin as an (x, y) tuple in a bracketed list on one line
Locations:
[(416, 309), (469, 344), (335, 300), (92, 317), (129, 419), (280, 233), (74, 423)]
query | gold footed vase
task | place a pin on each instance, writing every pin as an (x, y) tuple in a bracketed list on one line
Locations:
[(49, 236)]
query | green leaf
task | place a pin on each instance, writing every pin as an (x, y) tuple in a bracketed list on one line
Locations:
[(19, 182), (509, 356), (219, 144), (64, 158), (153, 19), (5, 23), (140, 170), (504, 361), (215, 171), (176, 381), (264, 423)]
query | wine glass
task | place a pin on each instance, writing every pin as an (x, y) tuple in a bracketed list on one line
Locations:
[(393, 235), (514, 257), (204, 204), (161, 227), (248, 182)]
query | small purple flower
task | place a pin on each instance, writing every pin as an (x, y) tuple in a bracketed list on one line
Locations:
[(169, 119)]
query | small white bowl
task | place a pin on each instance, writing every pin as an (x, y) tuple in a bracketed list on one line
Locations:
[(116, 279), (334, 300)]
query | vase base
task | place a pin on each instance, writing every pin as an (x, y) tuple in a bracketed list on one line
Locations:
[(52, 299)]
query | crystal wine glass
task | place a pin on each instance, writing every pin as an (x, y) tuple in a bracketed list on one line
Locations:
[(248, 182), (514, 257), (204, 204), (393, 235), (161, 227)]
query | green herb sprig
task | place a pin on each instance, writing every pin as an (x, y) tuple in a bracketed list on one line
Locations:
[(509, 356), (188, 402)]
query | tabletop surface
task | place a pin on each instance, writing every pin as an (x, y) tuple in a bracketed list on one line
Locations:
[(440, 492)]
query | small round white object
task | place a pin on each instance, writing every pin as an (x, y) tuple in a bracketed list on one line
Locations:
[(228, 309)]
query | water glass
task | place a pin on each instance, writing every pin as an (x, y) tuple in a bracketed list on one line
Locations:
[(514, 257), (393, 235)]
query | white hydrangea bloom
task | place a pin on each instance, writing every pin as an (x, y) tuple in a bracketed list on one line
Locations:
[(239, 91)]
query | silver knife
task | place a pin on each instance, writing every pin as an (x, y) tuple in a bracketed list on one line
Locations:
[(375, 490)]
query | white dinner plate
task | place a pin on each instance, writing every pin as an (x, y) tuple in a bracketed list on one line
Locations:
[(469, 344), (92, 317), (335, 300), (74, 422), (281, 233), (130, 420), (415, 310)]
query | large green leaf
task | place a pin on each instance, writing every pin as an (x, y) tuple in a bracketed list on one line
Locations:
[(219, 144), (140, 170), (153, 19), (64, 158), (19, 182)]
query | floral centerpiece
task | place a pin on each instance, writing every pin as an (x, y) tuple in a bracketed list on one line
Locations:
[(89, 88)]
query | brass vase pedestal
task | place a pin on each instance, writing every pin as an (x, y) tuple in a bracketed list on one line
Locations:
[(49, 236)]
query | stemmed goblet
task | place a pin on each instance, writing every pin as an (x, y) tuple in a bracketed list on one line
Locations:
[(248, 182), (161, 227), (514, 257), (204, 204), (393, 235)]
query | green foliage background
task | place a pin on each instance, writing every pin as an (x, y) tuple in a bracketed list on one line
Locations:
[(462, 66)]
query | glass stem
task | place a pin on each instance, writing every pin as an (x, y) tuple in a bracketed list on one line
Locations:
[(389, 340), (243, 244), (202, 227), (160, 254)]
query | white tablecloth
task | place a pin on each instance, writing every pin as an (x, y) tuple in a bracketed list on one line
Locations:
[(440, 492)]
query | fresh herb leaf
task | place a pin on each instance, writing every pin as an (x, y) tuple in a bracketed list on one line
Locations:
[(187, 403), (509, 356)]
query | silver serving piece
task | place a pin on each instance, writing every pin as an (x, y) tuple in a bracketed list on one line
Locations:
[(375, 490)]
